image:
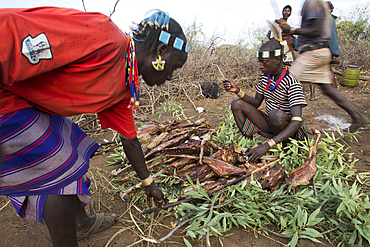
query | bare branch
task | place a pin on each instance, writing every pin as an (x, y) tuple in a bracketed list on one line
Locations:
[(83, 4), (114, 9)]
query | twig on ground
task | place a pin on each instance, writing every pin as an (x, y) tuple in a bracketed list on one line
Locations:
[(137, 226), (208, 244), (105, 150), (4, 205), (116, 234)]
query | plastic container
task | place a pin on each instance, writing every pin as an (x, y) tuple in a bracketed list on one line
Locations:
[(351, 75)]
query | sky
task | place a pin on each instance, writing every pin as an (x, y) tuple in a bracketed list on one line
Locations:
[(229, 19)]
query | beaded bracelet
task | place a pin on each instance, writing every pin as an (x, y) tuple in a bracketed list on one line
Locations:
[(271, 143), (148, 181)]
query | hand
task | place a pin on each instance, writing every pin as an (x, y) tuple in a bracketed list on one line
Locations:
[(153, 191), (256, 153), (285, 28), (230, 86), (281, 21)]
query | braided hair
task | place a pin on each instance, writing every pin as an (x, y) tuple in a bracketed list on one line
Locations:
[(149, 29)]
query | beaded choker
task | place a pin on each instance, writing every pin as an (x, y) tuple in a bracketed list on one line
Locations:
[(132, 73), (272, 87)]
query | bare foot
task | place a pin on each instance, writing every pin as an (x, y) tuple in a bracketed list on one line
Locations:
[(356, 126)]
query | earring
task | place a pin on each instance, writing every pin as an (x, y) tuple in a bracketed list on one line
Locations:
[(158, 64)]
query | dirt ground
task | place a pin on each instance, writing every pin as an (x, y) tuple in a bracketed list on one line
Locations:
[(18, 232)]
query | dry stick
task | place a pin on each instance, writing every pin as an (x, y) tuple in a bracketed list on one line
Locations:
[(83, 4), (114, 9), (208, 244), (150, 228), (185, 217), (116, 234), (189, 199), (189, 99), (4, 205), (171, 232), (106, 150), (128, 208), (86, 123)]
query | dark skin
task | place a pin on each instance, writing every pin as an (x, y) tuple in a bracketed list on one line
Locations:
[(247, 107), (313, 31), (64, 216)]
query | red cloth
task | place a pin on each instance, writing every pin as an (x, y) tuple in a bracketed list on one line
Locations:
[(64, 62)]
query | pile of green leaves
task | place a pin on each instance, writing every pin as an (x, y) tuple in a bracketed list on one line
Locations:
[(336, 209)]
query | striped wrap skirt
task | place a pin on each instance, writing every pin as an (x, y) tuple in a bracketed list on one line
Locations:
[(42, 154), (249, 129)]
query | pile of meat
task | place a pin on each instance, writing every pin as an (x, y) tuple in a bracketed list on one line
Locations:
[(184, 149)]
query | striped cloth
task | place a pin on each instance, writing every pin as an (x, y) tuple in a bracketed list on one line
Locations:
[(288, 94), (42, 154), (249, 128)]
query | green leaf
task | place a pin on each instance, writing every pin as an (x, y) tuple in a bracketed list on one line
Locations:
[(312, 220), (188, 244), (293, 242), (312, 232), (310, 238), (191, 234)]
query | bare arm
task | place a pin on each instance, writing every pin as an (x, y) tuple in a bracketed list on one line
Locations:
[(233, 88), (311, 31), (289, 130), (135, 155)]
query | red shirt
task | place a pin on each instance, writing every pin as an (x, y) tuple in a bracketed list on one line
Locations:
[(65, 62)]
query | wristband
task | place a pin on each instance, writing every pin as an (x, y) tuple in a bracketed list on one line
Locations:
[(148, 181), (296, 119), (241, 94), (271, 143)]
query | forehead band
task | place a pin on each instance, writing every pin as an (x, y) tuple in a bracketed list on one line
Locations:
[(267, 54), (176, 42)]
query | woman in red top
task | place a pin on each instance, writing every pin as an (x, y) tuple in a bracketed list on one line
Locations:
[(57, 62)]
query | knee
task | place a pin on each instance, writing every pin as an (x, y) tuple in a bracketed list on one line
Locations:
[(236, 104), (278, 118)]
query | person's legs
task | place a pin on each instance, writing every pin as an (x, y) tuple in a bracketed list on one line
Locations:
[(358, 119), (278, 120), (242, 110), (64, 216), (312, 92)]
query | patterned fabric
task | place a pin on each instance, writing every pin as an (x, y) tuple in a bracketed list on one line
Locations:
[(288, 94), (32, 207), (250, 128), (42, 154)]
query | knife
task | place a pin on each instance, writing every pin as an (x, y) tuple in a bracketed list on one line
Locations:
[(220, 71)]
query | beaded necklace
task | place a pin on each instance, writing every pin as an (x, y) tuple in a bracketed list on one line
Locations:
[(132, 74), (272, 87)]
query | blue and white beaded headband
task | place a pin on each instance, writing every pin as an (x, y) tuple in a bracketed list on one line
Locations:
[(267, 54), (176, 42)]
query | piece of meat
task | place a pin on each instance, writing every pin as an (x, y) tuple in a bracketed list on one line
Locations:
[(222, 168), (305, 172), (273, 178)]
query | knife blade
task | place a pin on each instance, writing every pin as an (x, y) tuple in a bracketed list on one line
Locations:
[(220, 71)]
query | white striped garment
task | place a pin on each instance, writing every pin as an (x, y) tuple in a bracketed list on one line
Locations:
[(287, 94)]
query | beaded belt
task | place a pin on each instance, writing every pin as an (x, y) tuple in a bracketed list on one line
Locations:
[(314, 46)]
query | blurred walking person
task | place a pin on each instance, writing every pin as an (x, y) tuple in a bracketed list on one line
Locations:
[(313, 62)]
